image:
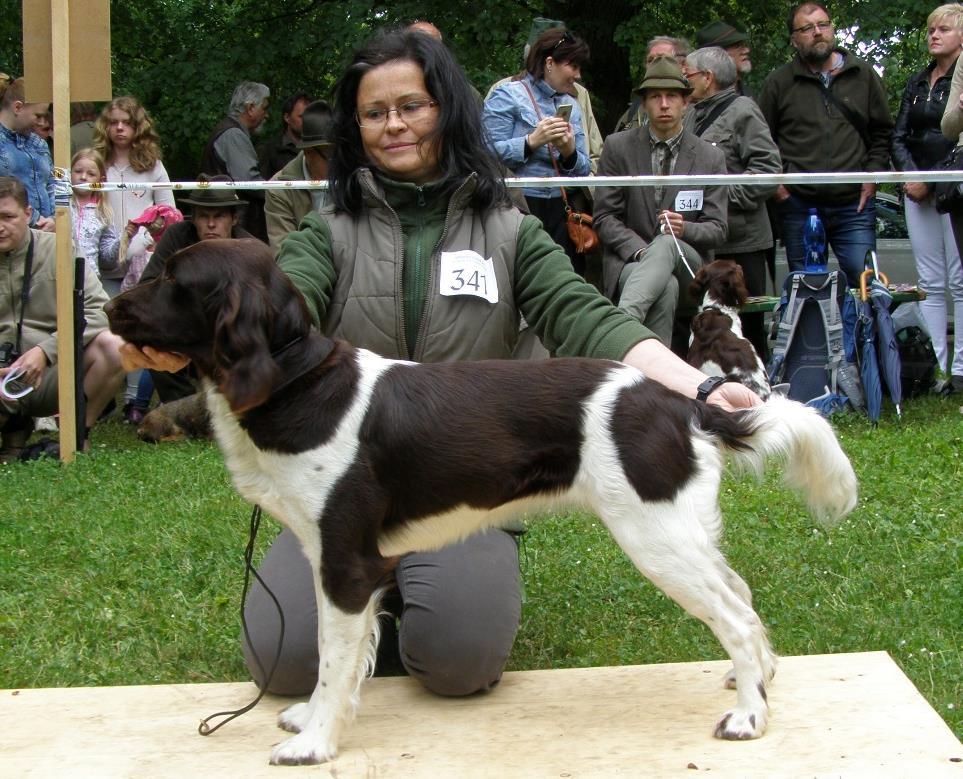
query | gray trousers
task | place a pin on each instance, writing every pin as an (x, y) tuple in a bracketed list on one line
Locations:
[(460, 610), (649, 289)]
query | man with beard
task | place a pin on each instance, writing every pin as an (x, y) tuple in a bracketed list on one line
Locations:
[(736, 44), (827, 111), (230, 151)]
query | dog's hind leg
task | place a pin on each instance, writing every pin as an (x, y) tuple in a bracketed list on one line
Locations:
[(346, 642), (739, 586), (672, 548)]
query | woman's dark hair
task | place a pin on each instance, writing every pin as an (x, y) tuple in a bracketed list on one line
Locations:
[(458, 135), (559, 44)]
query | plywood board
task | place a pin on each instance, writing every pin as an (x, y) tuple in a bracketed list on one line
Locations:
[(832, 715)]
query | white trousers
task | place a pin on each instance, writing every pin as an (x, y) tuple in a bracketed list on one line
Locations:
[(939, 270)]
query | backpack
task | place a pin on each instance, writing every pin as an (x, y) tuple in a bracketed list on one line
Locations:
[(815, 338)]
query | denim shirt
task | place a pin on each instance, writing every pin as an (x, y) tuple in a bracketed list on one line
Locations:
[(27, 158), (509, 116)]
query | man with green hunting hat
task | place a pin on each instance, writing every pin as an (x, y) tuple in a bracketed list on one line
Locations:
[(656, 237)]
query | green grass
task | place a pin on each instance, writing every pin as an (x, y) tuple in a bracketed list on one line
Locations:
[(125, 568)]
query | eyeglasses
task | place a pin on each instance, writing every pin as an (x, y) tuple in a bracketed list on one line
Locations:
[(692, 73), (412, 112), (807, 29)]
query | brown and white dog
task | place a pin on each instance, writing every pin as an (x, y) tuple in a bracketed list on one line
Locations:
[(366, 458), (717, 346)]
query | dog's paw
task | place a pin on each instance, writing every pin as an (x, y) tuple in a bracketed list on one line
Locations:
[(294, 718), (740, 725), (302, 749)]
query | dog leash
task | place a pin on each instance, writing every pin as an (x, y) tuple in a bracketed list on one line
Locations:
[(205, 729), (678, 248)]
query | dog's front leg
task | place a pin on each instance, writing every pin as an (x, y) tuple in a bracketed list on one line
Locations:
[(345, 644)]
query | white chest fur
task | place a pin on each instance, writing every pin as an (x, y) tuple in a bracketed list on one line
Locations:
[(293, 488)]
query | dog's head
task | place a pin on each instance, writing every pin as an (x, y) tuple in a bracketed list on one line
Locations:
[(226, 305), (709, 325), (723, 281)]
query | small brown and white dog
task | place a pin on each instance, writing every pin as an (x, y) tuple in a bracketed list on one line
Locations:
[(717, 346), (366, 458)]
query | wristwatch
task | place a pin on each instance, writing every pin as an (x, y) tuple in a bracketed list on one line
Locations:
[(709, 386)]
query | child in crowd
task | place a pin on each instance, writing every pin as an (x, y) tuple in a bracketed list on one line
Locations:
[(95, 237), (125, 137), (154, 220)]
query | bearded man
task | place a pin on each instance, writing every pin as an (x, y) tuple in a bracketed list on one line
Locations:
[(827, 112)]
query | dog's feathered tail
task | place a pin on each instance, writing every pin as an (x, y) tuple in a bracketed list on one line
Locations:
[(815, 464)]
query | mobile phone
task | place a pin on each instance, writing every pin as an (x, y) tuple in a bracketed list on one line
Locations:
[(564, 111)]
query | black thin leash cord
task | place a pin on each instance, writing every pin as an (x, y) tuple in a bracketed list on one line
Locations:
[(204, 729)]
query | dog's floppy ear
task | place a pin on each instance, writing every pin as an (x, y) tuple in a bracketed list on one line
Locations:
[(699, 284), (244, 369)]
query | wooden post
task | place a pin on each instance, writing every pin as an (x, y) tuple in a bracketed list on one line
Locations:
[(51, 69), (67, 368)]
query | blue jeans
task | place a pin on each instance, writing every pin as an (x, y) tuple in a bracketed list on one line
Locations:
[(850, 234)]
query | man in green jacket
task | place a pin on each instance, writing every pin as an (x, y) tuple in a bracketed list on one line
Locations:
[(284, 208), (827, 112)]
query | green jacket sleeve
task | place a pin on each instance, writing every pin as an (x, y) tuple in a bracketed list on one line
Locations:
[(307, 258), (570, 316)]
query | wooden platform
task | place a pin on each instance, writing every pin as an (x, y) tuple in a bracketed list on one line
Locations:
[(832, 715)]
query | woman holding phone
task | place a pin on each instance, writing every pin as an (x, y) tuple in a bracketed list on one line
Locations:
[(535, 126)]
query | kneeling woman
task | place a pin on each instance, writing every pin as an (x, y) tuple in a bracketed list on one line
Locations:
[(423, 257)]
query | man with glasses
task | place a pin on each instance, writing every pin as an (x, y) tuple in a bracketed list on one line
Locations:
[(827, 111), (284, 208), (734, 123)]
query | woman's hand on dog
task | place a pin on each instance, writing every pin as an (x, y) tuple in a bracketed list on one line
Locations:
[(132, 358), (732, 396), (659, 363)]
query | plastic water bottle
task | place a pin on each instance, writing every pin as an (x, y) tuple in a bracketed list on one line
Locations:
[(814, 244)]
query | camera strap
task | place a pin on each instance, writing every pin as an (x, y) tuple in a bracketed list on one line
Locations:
[(25, 291)]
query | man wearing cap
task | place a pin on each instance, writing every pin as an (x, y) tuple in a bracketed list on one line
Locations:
[(827, 112), (736, 45), (283, 208), (214, 214), (659, 46), (734, 123), (646, 229)]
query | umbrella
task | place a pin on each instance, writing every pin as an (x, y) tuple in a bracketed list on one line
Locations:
[(868, 363), (887, 345), (879, 349)]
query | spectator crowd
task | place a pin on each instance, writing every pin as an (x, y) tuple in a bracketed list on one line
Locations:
[(692, 113)]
